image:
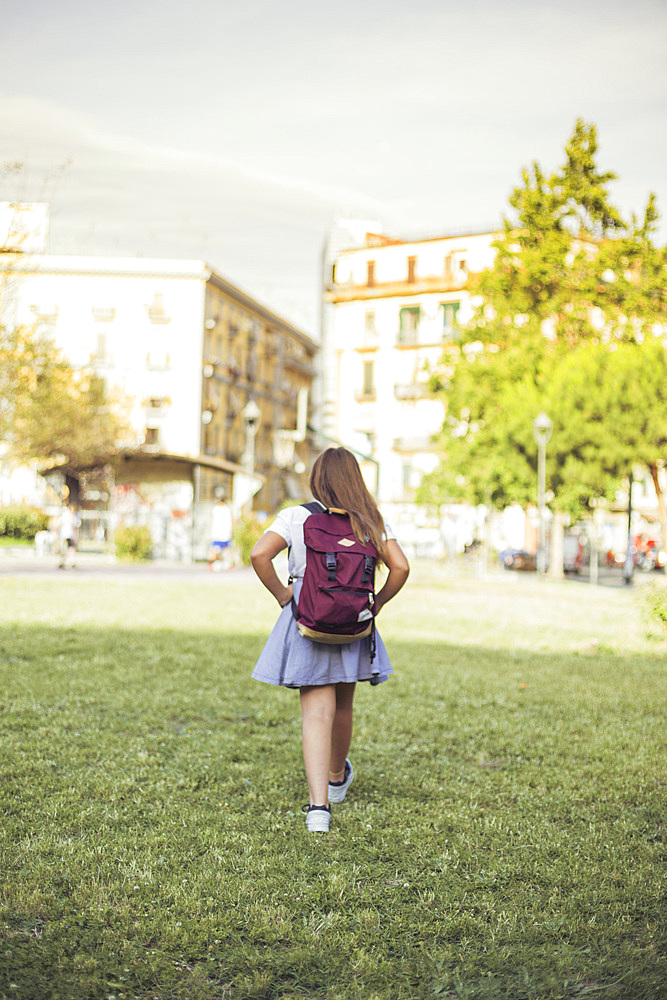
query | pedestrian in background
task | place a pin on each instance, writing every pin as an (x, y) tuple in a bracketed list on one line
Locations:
[(222, 532), (325, 675), (68, 535)]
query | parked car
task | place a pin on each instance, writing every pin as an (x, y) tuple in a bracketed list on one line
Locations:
[(647, 553), (573, 553), (518, 559)]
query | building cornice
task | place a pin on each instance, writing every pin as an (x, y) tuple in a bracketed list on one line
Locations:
[(398, 289), (145, 267)]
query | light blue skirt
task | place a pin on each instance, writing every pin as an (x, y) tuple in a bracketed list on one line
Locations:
[(292, 661)]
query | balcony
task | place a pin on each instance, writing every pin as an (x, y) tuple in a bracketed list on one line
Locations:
[(410, 391), (350, 291), (300, 365), (413, 444), (362, 396)]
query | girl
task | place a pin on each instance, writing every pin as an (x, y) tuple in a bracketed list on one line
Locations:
[(325, 674)]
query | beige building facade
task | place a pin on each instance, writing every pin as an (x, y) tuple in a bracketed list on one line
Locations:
[(390, 307)]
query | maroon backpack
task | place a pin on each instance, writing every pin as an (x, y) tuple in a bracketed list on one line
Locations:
[(337, 598)]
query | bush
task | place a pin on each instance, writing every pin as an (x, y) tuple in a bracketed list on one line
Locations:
[(247, 529), (22, 522), (133, 543), (656, 605)]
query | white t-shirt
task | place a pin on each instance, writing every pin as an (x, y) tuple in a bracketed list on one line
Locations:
[(69, 522), (221, 530), (289, 525)]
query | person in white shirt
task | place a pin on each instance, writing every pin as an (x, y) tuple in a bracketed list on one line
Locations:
[(222, 530), (325, 674), (68, 535)]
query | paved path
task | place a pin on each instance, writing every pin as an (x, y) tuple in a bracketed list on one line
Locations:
[(22, 562)]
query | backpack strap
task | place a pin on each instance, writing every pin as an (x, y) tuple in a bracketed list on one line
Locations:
[(331, 566), (314, 507), (369, 565)]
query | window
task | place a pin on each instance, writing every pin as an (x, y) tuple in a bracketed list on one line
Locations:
[(369, 378), (370, 273), (412, 265), (101, 347), (156, 310), (104, 314), (406, 476), (370, 333), (449, 320), (152, 436), (448, 266), (408, 324)]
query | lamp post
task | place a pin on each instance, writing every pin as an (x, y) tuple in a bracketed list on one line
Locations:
[(542, 428), (629, 564), (246, 483), (251, 420)]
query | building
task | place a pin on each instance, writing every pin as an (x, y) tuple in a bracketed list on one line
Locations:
[(217, 388), (390, 307)]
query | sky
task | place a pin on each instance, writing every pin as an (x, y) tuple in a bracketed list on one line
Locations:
[(240, 133)]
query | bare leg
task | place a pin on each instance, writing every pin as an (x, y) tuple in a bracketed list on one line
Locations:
[(341, 736), (318, 709)]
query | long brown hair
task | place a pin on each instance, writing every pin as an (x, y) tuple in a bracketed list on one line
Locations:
[(336, 481)]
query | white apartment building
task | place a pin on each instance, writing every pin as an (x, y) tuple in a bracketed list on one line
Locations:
[(187, 352), (390, 306)]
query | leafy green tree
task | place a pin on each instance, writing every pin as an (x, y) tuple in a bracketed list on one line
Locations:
[(48, 411), (566, 323), (609, 406)]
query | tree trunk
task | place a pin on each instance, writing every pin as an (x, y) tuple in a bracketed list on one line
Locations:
[(662, 512), (556, 558)]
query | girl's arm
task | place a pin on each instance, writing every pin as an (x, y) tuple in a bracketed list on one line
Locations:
[(399, 570), (261, 557)]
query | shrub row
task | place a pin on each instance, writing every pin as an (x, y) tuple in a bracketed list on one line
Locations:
[(133, 543), (247, 529), (22, 522), (656, 605)]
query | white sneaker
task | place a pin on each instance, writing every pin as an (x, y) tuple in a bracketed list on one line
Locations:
[(317, 818), (338, 791)]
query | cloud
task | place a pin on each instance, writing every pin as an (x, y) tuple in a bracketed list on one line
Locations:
[(241, 133), (123, 196)]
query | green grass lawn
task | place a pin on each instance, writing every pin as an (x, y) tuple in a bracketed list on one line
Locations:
[(503, 837)]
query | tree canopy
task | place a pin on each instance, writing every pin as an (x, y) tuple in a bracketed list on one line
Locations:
[(568, 321), (50, 412)]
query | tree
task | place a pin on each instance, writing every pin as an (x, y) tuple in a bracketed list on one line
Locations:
[(610, 405), (50, 412), (566, 322)]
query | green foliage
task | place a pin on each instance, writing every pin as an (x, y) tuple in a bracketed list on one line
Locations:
[(503, 836), (133, 543), (608, 408), (49, 411), (22, 522), (566, 324), (656, 605), (247, 529)]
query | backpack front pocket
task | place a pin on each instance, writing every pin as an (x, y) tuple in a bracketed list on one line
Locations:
[(344, 607)]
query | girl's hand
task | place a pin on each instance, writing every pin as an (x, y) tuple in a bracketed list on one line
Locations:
[(286, 596)]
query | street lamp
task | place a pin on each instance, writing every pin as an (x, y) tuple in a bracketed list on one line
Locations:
[(542, 428), (252, 417)]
